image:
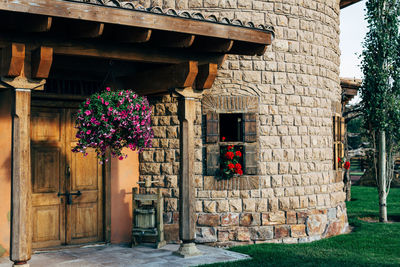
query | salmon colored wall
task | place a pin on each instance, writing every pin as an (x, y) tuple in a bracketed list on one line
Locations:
[(5, 171), (124, 176)]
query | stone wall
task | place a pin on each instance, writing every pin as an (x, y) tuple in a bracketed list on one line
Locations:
[(299, 197)]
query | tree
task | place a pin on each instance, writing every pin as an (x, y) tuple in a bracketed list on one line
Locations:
[(380, 91)]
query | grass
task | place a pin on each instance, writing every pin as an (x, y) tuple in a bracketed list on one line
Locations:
[(370, 244)]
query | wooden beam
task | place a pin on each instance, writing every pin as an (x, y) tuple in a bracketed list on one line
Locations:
[(172, 39), (162, 79), (21, 235), (208, 44), (135, 18), (125, 34), (24, 22), (42, 59), (206, 76), (12, 60)]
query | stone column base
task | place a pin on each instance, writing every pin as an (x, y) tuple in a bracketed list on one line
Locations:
[(21, 265), (187, 250)]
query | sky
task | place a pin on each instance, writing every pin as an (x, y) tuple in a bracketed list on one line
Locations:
[(353, 28)]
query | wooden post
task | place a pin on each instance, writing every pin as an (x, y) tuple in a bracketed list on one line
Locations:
[(21, 234), (187, 116)]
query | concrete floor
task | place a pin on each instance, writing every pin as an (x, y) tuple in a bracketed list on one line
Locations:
[(116, 255)]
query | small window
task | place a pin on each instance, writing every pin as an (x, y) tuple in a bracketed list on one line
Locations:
[(230, 127)]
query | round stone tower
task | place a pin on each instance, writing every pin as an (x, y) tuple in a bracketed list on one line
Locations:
[(284, 104)]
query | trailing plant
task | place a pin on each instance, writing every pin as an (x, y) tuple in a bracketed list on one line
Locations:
[(380, 90), (115, 120)]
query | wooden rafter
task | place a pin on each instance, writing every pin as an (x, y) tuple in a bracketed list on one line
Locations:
[(216, 45), (12, 60), (206, 77), (134, 18), (244, 48), (42, 58), (24, 22), (124, 34), (172, 39), (162, 79)]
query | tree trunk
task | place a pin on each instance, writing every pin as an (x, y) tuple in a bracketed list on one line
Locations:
[(382, 177), (347, 184)]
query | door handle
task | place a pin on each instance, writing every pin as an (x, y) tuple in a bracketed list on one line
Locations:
[(69, 196), (68, 172)]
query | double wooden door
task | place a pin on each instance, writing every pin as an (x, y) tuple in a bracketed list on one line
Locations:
[(66, 186)]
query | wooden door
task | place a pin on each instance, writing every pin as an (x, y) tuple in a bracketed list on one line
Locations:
[(85, 214), (57, 218), (48, 176)]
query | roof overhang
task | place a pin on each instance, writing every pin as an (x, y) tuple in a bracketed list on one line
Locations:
[(350, 88), (82, 37), (346, 3)]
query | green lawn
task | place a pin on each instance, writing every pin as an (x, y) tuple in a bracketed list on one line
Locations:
[(370, 244)]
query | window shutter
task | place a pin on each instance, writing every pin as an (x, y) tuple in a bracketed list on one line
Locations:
[(250, 159), (250, 127), (342, 129), (212, 127), (212, 160), (335, 156), (336, 128)]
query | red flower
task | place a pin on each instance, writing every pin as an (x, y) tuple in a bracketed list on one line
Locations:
[(238, 153), (339, 159), (229, 155), (346, 165), (231, 166), (223, 138), (230, 147), (238, 166), (239, 171)]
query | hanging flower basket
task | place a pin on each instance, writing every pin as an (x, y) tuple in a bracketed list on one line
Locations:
[(113, 119)]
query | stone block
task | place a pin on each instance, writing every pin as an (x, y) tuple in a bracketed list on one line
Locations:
[(249, 219), (208, 220), (261, 232), (334, 228), (298, 230), (235, 205), (273, 218), (223, 236), (249, 204), (281, 231), (243, 234), (316, 224), (229, 219), (291, 217), (210, 206), (222, 206), (206, 235)]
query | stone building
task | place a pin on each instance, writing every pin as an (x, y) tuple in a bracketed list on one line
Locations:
[(281, 109), (292, 188)]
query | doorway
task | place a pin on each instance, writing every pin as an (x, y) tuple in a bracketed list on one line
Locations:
[(67, 187)]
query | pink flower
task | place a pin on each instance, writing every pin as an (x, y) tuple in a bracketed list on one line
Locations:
[(110, 109), (108, 89), (120, 157), (106, 103), (88, 131), (88, 112)]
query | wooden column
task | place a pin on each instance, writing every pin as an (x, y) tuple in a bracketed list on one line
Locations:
[(21, 234), (187, 116)]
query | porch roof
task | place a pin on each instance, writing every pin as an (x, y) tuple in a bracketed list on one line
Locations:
[(78, 38), (346, 3)]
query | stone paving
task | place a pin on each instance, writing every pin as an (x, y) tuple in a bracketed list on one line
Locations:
[(117, 255)]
